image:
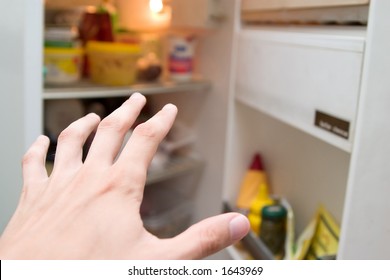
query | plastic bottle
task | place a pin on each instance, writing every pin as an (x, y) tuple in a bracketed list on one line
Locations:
[(249, 188), (107, 7), (262, 200), (181, 58)]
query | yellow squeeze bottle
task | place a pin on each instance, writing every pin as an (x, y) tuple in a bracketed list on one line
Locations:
[(262, 199), (250, 183)]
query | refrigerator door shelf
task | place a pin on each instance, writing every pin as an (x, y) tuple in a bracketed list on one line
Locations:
[(344, 12), (295, 74)]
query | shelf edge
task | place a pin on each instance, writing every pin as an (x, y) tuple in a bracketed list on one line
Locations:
[(344, 145), (106, 92)]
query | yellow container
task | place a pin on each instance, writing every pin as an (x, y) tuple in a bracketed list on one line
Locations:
[(63, 65), (113, 64)]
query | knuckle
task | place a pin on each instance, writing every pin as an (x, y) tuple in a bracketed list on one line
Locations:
[(109, 184), (115, 124), (30, 156), (138, 175), (120, 180), (69, 134), (36, 151), (136, 178), (147, 130)]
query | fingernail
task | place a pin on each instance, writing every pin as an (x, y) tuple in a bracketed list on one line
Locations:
[(239, 227), (41, 138), (136, 95), (170, 106)]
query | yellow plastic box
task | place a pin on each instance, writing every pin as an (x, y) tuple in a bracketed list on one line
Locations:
[(63, 65), (113, 64)]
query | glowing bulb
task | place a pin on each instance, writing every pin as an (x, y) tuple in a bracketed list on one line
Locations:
[(156, 6)]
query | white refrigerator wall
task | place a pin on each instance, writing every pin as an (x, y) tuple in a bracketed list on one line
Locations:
[(366, 223), (21, 81), (216, 57)]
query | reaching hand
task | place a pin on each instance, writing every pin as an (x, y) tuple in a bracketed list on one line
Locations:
[(91, 209)]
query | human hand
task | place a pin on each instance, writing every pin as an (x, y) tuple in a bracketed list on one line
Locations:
[(91, 209)]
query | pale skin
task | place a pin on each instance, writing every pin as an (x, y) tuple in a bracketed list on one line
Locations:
[(91, 209)]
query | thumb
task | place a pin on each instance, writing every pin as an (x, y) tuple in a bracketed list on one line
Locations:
[(209, 236)]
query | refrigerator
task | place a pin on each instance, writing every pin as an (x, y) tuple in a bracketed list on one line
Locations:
[(309, 93)]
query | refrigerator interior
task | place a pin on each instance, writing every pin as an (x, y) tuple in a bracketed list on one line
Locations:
[(300, 168)]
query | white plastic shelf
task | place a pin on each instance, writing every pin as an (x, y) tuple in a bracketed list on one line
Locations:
[(296, 73), (87, 89)]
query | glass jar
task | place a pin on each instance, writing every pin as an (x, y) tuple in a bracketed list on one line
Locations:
[(273, 228)]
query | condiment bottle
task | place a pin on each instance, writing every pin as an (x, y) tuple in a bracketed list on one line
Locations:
[(273, 228), (181, 58), (251, 182), (261, 200)]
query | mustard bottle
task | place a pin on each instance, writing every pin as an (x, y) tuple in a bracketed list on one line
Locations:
[(250, 183), (262, 199)]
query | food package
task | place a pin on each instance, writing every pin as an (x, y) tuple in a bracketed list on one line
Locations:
[(320, 239)]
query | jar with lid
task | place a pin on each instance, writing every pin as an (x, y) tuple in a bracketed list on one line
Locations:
[(273, 228)]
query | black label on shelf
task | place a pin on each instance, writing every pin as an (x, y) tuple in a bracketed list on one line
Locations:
[(332, 124)]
